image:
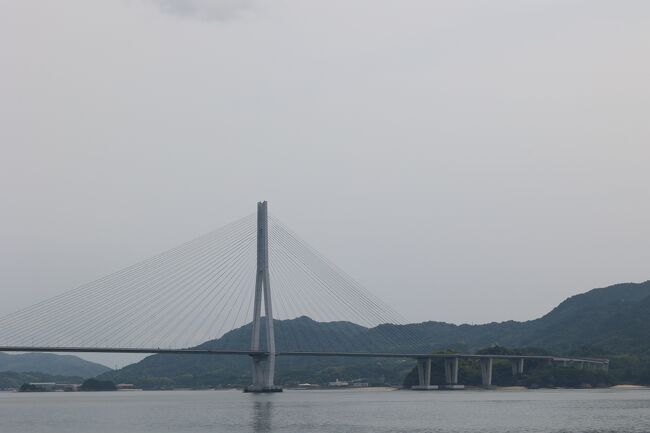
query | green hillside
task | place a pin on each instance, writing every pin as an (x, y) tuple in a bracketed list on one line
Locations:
[(611, 321), (50, 363), (302, 333)]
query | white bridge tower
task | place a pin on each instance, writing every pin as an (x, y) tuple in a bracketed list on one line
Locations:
[(263, 365)]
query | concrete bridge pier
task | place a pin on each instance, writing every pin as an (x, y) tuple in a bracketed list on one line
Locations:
[(263, 375), (424, 376), (517, 366), (486, 372), (451, 374)]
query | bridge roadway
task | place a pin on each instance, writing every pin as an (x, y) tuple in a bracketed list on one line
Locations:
[(598, 361), (451, 360)]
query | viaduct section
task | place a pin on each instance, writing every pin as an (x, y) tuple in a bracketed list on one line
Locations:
[(452, 366)]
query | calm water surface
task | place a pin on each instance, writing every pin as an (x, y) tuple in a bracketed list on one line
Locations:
[(340, 411)]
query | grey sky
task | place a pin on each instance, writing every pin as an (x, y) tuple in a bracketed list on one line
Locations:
[(467, 161)]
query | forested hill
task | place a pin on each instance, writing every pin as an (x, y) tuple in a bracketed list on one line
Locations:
[(613, 320), (610, 320), (602, 322), (50, 363)]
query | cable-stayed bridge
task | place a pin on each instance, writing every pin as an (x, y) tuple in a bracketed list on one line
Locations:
[(255, 276)]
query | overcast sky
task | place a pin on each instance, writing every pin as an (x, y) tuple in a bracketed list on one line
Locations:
[(466, 161)]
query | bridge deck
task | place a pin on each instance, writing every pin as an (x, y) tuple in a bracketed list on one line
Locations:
[(291, 353)]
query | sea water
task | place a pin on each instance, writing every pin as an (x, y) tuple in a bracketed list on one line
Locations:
[(322, 411)]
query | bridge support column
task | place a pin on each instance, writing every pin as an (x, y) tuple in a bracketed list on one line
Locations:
[(261, 372), (517, 366), (486, 371), (451, 374), (263, 364), (424, 375)]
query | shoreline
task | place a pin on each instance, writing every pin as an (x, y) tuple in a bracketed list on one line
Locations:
[(625, 387)]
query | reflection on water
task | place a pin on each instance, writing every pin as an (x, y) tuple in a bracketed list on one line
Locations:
[(262, 415)]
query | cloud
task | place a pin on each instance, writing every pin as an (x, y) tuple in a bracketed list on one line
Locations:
[(204, 9)]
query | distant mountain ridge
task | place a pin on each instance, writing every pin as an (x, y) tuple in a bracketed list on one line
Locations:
[(609, 320), (614, 319), (50, 364), (605, 321)]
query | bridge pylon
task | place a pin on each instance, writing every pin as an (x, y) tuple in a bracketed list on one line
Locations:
[(263, 364)]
